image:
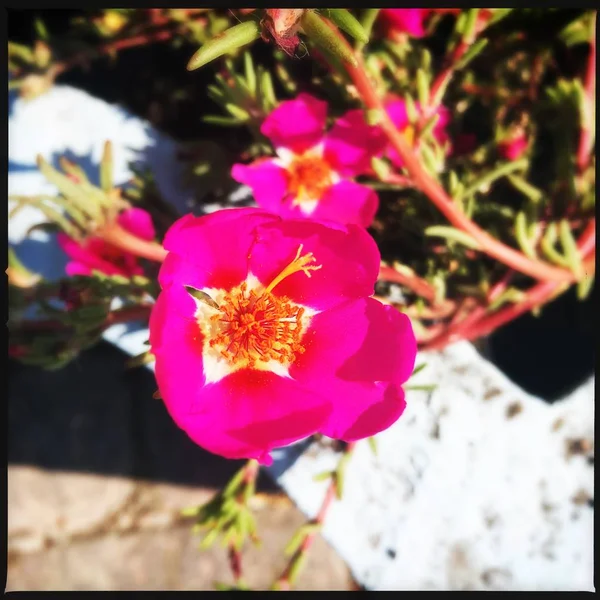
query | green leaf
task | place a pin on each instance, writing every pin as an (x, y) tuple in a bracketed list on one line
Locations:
[(323, 476), (106, 164), (372, 444), (367, 20), (347, 22), (220, 120), (422, 87), (522, 236), (418, 369), (470, 54), (530, 191), (547, 245), (584, 286), (452, 234), (40, 29), (319, 32), (228, 41), (569, 245), (250, 72)]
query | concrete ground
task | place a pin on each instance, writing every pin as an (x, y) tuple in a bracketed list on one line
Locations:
[(97, 476)]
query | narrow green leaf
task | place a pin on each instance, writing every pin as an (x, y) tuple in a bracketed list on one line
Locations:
[(323, 476), (470, 23), (530, 191), (569, 245), (348, 23), (297, 566), (452, 234), (106, 166), (367, 20), (411, 109), (523, 237), (222, 121), (509, 295), (547, 244), (422, 87), (40, 29), (429, 126), (250, 72), (584, 286), (294, 544), (470, 54), (317, 30), (266, 91), (372, 444), (418, 369), (231, 39), (237, 112)]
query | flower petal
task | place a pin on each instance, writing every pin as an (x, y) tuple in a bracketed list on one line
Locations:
[(362, 340), (138, 222), (348, 256), (348, 202), (176, 342), (248, 413), (358, 354), (89, 254), (212, 250), (408, 20), (296, 124), (267, 180), (351, 144)]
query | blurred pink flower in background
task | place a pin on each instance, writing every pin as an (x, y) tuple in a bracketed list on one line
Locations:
[(399, 116), (514, 147), (265, 333), (94, 254), (311, 177)]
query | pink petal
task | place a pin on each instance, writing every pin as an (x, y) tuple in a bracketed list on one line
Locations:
[(138, 222), (212, 250), (408, 20), (348, 202), (351, 144), (74, 268), (362, 340), (88, 253), (358, 354), (296, 124), (248, 413), (348, 256), (398, 113), (176, 342), (267, 180)]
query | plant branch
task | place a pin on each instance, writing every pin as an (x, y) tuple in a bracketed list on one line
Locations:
[(430, 187)]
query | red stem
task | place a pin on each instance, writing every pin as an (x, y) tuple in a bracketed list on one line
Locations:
[(430, 187)]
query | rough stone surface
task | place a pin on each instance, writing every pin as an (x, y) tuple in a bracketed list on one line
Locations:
[(168, 559)]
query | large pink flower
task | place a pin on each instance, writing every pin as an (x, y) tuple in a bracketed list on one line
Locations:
[(280, 338), (311, 176), (94, 254), (399, 116)]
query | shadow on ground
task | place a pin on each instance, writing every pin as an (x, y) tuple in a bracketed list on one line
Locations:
[(94, 416)]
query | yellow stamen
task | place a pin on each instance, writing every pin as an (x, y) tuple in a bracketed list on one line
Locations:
[(298, 264)]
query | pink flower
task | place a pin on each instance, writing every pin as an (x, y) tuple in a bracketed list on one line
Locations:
[(399, 116), (311, 176), (94, 254), (406, 20), (513, 148), (281, 338)]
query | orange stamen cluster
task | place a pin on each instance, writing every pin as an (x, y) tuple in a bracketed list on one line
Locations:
[(256, 326), (308, 177)]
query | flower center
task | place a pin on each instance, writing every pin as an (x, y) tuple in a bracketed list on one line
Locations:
[(308, 177), (253, 327)]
